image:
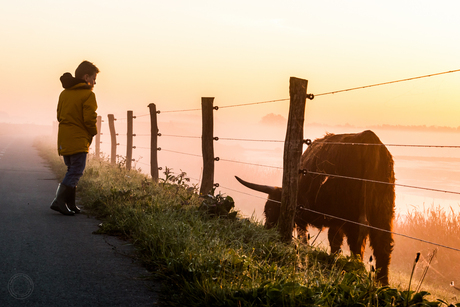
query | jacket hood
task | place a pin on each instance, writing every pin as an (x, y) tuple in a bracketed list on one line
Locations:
[(68, 81)]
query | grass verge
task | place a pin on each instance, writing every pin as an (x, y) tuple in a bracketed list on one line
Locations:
[(220, 260)]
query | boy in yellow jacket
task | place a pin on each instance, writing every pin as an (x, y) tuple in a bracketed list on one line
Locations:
[(76, 114)]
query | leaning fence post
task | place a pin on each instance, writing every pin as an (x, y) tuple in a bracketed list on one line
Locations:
[(98, 136), (207, 146), (113, 139), (153, 142), (292, 154), (129, 140)]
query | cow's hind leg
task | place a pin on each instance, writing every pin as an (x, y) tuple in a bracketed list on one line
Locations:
[(335, 236), (357, 237), (357, 244), (382, 244)]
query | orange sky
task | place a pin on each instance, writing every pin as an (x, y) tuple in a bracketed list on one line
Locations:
[(173, 52)]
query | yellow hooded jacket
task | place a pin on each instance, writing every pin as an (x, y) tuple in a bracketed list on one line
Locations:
[(76, 114)]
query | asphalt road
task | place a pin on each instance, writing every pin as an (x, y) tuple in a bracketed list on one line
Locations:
[(48, 259)]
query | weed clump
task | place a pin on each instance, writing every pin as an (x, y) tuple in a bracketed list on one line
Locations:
[(218, 205)]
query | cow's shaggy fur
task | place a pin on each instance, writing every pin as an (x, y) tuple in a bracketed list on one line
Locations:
[(366, 202)]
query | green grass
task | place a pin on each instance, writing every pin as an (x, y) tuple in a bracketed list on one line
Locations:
[(220, 261)]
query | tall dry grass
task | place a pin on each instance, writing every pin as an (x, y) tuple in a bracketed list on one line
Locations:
[(439, 267)]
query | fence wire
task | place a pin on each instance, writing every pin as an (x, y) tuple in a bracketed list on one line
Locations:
[(380, 229), (334, 143), (353, 222), (310, 141), (181, 136), (348, 177), (388, 82), (316, 95), (321, 94), (382, 182), (228, 106), (253, 103), (251, 140), (254, 164), (182, 153), (390, 145)]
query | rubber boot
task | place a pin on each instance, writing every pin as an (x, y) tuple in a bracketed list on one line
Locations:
[(59, 201), (71, 200)]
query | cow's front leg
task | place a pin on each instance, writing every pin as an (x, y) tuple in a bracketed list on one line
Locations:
[(335, 236), (302, 235)]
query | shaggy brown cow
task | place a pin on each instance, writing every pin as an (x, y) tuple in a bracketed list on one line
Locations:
[(366, 202)]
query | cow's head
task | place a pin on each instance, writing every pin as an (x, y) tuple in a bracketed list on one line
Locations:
[(273, 204)]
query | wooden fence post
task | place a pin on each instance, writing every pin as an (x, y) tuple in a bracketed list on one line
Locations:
[(129, 140), (153, 142), (113, 139), (292, 154), (98, 136), (207, 146)]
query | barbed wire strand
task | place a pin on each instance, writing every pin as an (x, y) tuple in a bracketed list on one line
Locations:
[(321, 94), (252, 103), (250, 140), (346, 177), (389, 82), (229, 106), (316, 142), (390, 145), (326, 93), (339, 218), (353, 222), (343, 143), (249, 194), (352, 178), (181, 136), (175, 111), (182, 153), (322, 174), (220, 138), (254, 164), (380, 229), (383, 182)]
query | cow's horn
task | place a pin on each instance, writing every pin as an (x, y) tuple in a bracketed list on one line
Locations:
[(258, 187)]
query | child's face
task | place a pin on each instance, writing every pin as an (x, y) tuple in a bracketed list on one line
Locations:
[(91, 80)]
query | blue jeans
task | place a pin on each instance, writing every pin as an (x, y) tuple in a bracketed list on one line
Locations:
[(75, 166)]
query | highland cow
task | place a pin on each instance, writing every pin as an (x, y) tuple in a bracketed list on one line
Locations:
[(357, 186)]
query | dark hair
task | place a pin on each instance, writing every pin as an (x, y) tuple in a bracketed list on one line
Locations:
[(86, 68)]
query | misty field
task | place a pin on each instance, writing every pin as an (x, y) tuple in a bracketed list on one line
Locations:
[(203, 260)]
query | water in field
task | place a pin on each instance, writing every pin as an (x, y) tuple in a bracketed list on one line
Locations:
[(425, 176)]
